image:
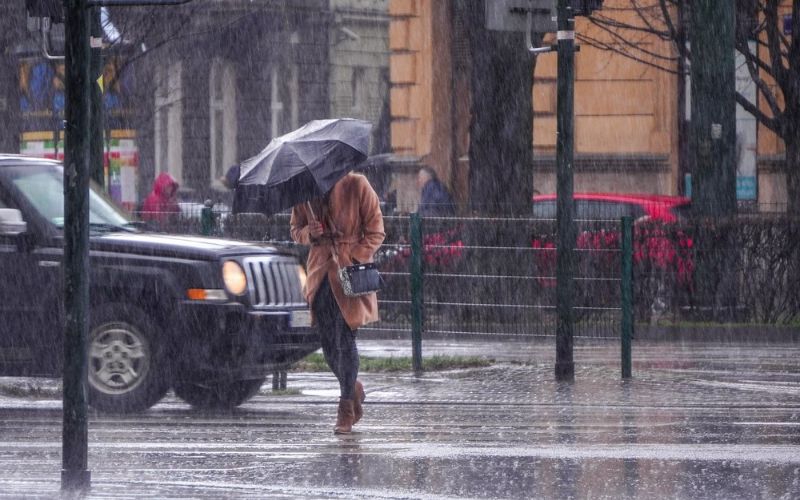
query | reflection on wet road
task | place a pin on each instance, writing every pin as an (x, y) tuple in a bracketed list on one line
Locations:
[(695, 422)]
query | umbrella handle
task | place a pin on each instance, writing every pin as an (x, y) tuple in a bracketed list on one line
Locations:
[(311, 210)]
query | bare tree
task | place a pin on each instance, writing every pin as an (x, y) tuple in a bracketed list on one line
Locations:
[(771, 55)]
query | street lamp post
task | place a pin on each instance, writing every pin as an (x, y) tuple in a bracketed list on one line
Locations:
[(565, 138), (74, 472)]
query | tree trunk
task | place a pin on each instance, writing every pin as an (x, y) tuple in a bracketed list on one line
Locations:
[(792, 169), (501, 143), (713, 101)]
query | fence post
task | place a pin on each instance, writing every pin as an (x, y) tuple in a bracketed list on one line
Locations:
[(627, 294), (417, 301)]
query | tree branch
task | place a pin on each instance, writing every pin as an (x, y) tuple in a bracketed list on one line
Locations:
[(768, 121), (615, 48), (609, 24), (641, 13), (768, 94), (673, 32), (743, 47), (632, 44)]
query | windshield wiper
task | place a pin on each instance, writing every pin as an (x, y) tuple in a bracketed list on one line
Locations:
[(106, 227)]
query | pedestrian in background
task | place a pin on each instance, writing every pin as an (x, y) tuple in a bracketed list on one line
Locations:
[(347, 221), (240, 200), (435, 199), (231, 178), (161, 208)]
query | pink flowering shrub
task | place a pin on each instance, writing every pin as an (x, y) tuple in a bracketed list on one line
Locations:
[(442, 249)]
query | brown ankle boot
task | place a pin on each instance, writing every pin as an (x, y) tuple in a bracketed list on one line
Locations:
[(360, 396), (344, 417)]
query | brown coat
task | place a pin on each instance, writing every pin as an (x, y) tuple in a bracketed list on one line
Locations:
[(356, 213)]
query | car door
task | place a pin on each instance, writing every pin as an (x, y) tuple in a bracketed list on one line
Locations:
[(30, 312)]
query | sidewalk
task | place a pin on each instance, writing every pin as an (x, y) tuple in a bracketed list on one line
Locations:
[(696, 421)]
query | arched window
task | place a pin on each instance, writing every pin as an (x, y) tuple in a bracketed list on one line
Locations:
[(168, 127), (284, 81), (222, 121)]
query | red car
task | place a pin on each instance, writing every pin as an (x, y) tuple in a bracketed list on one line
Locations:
[(659, 246), (597, 206)]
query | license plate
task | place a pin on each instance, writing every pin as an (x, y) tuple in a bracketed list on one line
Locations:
[(300, 319)]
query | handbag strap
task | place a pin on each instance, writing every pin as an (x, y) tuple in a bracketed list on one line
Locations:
[(325, 209), (334, 251)]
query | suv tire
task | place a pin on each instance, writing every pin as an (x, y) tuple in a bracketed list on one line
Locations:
[(126, 365)]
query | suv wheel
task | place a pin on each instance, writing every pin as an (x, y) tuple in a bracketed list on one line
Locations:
[(218, 396), (126, 369)]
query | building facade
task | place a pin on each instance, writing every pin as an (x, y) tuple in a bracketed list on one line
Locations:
[(192, 90), (359, 64), (234, 75)]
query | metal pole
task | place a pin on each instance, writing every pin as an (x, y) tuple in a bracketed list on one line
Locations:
[(565, 366), (417, 299), (74, 472), (627, 295), (96, 71)]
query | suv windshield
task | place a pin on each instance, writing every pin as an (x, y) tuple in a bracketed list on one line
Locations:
[(43, 187)]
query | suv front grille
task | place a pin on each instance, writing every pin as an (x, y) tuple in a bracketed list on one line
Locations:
[(273, 281)]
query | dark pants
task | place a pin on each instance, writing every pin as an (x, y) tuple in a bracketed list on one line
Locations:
[(338, 340)]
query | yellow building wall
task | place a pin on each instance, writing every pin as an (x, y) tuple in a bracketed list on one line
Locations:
[(621, 106)]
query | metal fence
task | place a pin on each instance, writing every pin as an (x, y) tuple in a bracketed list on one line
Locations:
[(478, 276), (496, 276)]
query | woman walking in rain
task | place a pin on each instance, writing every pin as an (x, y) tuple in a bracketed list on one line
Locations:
[(346, 222)]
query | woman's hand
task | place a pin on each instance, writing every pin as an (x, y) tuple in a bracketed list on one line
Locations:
[(315, 229)]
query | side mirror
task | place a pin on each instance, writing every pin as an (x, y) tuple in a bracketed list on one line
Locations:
[(11, 222)]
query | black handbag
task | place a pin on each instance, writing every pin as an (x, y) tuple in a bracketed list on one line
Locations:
[(360, 279)]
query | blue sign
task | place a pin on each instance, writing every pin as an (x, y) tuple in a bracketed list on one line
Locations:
[(746, 187), (687, 185), (787, 24)]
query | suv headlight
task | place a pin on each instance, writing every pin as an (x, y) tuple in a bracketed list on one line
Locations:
[(234, 277)]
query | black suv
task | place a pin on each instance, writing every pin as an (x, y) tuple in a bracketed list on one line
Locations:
[(208, 317)]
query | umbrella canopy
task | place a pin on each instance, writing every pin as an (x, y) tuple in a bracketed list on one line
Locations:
[(302, 164)]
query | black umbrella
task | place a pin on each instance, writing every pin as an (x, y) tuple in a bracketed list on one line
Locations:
[(301, 165)]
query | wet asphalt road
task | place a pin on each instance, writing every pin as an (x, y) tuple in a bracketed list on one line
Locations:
[(696, 421)]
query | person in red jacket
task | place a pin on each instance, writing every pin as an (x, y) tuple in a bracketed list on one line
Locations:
[(161, 205)]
